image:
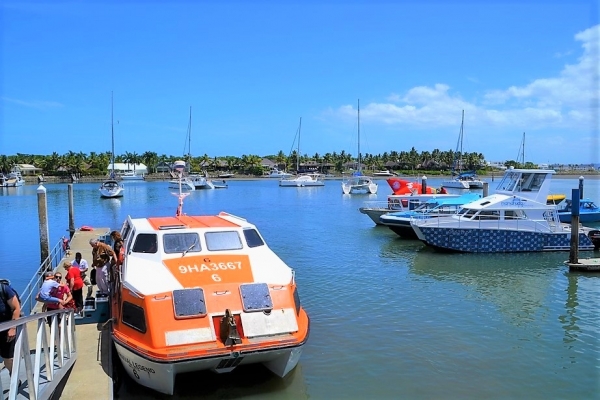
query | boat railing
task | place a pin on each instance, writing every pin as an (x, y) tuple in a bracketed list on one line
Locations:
[(51, 262), (531, 225), (37, 372)]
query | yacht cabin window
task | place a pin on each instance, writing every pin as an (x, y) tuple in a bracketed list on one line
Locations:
[(188, 242), (228, 240), (253, 239), (145, 243), (488, 215)]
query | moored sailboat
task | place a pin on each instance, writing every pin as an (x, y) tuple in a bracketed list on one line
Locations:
[(359, 182), (110, 188)]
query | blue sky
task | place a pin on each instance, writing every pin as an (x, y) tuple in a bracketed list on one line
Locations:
[(251, 69)]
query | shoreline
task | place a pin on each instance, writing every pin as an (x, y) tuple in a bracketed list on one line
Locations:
[(160, 177)]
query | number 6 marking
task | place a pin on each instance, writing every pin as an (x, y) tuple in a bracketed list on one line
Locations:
[(216, 278)]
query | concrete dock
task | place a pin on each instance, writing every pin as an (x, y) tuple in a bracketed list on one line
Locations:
[(90, 377), (585, 264)]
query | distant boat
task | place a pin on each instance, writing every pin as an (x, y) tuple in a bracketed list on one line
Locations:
[(276, 173), (305, 179), (191, 181), (111, 188), (132, 176), (384, 172), (358, 182), (463, 180), (226, 175), (588, 211)]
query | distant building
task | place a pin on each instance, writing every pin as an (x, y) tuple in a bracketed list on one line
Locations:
[(27, 169), (496, 164), (128, 167)]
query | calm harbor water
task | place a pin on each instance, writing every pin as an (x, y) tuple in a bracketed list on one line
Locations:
[(390, 318)]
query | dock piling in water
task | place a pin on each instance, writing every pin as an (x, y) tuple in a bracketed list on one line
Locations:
[(574, 250), (71, 211), (43, 220)]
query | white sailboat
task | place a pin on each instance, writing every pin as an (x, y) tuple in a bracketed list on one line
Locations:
[(359, 182), (110, 188), (463, 180), (305, 179), (192, 181)]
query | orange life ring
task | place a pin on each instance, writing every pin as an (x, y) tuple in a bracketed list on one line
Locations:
[(86, 228)]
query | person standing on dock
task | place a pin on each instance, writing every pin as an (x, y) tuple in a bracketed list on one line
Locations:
[(10, 309), (99, 248), (83, 266), (75, 285)]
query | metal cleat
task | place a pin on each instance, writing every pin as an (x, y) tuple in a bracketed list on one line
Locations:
[(229, 334)]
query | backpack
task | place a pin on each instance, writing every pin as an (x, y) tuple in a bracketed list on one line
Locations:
[(3, 284)]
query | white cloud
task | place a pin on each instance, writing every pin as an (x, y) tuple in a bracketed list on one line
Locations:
[(569, 100)]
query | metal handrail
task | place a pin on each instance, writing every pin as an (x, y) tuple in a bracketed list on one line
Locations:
[(49, 264), (60, 352)]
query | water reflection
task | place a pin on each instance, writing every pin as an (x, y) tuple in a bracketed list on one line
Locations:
[(516, 283), (247, 381), (580, 317)]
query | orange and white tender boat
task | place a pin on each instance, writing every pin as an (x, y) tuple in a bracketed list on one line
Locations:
[(203, 293)]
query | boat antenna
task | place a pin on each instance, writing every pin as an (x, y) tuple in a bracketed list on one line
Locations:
[(179, 167)]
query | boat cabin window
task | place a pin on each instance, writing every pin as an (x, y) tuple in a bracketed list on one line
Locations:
[(509, 182), (145, 243), (253, 239), (488, 214), (125, 230), (469, 213), (228, 240), (514, 214), (531, 182), (188, 242)]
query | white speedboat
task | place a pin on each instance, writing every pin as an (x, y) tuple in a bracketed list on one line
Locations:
[(132, 176), (397, 203), (14, 179), (111, 188), (465, 180), (516, 218), (303, 180), (186, 183), (383, 173), (276, 173), (437, 207), (202, 293), (357, 182), (201, 182)]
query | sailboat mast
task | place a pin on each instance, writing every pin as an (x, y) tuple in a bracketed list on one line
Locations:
[(112, 135), (298, 151), (358, 109), (460, 161)]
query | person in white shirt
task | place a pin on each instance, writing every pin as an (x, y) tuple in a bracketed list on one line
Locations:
[(83, 266)]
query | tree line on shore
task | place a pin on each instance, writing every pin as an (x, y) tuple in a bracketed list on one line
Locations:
[(97, 163)]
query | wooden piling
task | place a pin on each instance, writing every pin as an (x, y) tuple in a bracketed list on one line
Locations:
[(486, 189), (43, 221), (71, 211), (424, 185), (574, 250), (580, 188)]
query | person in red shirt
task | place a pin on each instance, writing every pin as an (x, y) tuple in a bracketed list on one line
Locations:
[(75, 285)]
